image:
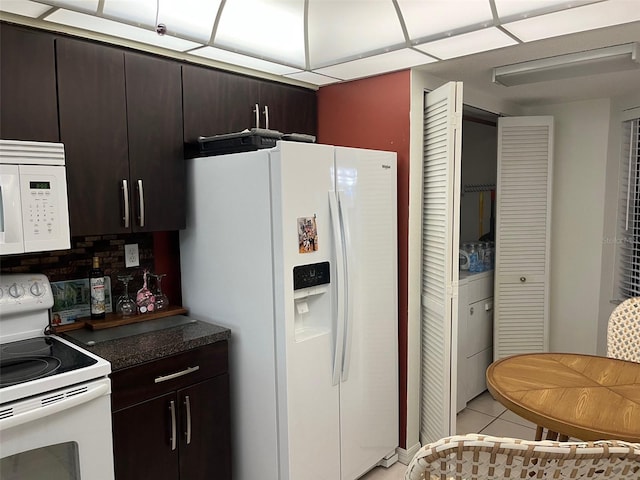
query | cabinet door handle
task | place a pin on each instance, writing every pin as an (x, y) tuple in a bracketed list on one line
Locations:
[(125, 195), (266, 116), (187, 406), (172, 439), (257, 112), (171, 376), (141, 202)]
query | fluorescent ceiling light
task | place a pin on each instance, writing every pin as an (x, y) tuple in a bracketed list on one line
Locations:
[(431, 17), (24, 8), (344, 30), (119, 30), (590, 62), (573, 20), (242, 60), (270, 30), (467, 43), (386, 62)]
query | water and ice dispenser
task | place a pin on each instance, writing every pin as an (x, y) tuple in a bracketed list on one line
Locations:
[(312, 314)]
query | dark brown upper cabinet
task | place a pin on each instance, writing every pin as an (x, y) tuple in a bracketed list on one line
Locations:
[(121, 123), (93, 128), (156, 149), (217, 102), (28, 106)]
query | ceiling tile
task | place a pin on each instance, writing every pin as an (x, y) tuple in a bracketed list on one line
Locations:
[(193, 19), (313, 78), (386, 62), (579, 19), (344, 30), (119, 30), (528, 8), (22, 7), (428, 18), (142, 12), (467, 43), (272, 30), (80, 5), (242, 60)]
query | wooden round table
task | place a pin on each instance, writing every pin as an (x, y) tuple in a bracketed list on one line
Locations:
[(581, 396)]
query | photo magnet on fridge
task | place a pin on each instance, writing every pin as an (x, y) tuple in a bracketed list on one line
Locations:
[(307, 235)]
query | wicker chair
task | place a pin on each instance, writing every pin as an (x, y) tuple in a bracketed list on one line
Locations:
[(623, 332), (480, 457)]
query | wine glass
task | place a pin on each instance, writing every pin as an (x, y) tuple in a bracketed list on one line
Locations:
[(125, 305), (162, 301)]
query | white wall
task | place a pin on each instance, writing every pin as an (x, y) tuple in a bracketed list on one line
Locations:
[(585, 202), (581, 132), (622, 109)]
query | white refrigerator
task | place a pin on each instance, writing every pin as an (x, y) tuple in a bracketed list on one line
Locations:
[(294, 249)]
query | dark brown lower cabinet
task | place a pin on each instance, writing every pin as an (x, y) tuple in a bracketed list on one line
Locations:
[(181, 433)]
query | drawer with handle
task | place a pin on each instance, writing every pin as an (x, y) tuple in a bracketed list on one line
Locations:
[(148, 380)]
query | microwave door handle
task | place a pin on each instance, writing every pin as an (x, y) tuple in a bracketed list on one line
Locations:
[(1, 210), (141, 202), (125, 195)]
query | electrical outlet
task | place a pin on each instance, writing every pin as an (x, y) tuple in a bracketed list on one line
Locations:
[(131, 258)]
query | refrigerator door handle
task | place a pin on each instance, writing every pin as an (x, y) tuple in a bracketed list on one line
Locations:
[(348, 291), (340, 285)]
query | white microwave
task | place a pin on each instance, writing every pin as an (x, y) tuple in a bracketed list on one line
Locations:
[(34, 213)]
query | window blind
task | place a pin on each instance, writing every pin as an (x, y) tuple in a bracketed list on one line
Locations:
[(630, 212)]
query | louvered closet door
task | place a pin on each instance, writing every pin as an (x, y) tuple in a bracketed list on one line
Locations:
[(523, 219), (440, 238)]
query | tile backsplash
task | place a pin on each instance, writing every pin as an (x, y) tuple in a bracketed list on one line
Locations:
[(75, 263)]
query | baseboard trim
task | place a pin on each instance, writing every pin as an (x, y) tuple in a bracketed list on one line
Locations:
[(405, 456)]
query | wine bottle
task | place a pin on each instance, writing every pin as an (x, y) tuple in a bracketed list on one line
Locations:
[(96, 284)]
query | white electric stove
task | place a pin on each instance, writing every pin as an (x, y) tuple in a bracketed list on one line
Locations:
[(55, 412)]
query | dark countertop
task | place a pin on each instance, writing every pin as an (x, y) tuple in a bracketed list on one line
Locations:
[(130, 345)]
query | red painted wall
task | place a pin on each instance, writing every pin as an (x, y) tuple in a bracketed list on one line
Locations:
[(374, 113)]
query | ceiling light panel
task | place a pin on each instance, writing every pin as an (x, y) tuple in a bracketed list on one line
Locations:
[(386, 62), (342, 30), (232, 58), (270, 29), (119, 30), (428, 18), (141, 12), (579, 19), (528, 8), (467, 43), (78, 5), (24, 8), (193, 19)]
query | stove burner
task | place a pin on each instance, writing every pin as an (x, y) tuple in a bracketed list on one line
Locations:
[(34, 347), (18, 370)]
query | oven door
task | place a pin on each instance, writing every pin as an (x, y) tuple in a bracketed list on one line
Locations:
[(65, 434)]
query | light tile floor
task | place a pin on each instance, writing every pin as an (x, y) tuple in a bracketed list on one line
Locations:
[(482, 415)]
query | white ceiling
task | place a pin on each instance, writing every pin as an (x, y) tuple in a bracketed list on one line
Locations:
[(319, 42)]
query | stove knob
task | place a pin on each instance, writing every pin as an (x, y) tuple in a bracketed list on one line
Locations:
[(16, 291), (37, 290)]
